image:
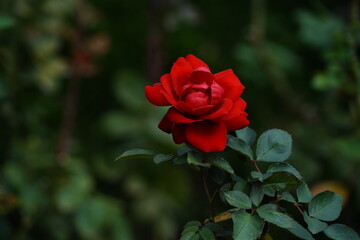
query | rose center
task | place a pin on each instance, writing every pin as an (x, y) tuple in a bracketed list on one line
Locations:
[(202, 90)]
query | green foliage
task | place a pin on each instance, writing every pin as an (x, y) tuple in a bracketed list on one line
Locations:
[(136, 153), (246, 226), (194, 230), (257, 200), (281, 181), (284, 167), (159, 158), (195, 159), (247, 134), (222, 164), (315, 226), (238, 199), (271, 214), (206, 234), (325, 206), (239, 146), (273, 146), (256, 194), (340, 232), (303, 193)]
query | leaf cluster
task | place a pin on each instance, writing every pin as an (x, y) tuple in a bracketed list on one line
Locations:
[(258, 201)]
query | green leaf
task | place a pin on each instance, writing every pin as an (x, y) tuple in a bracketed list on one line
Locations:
[(303, 193), (188, 236), (256, 194), (207, 234), (246, 226), (222, 164), (271, 214), (247, 134), (315, 226), (288, 197), (195, 159), (241, 185), (183, 151), (217, 175), (224, 188), (192, 223), (136, 153), (240, 146), (195, 237), (283, 167), (300, 232), (191, 228), (238, 199), (325, 206), (341, 232), (180, 160), (258, 176), (159, 158), (274, 146), (218, 229), (281, 181)]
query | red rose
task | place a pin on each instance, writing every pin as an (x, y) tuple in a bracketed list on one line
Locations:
[(205, 106)]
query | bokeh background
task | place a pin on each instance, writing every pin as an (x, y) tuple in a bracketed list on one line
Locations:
[(72, 74)]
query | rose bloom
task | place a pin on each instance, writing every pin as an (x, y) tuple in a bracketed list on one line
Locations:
[(204, 106)]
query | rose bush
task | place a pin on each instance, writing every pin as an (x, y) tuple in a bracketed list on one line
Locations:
[(205, 106)]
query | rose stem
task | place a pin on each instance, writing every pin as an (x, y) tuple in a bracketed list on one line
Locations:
[(298, 208), (210, 199), (257, 167)]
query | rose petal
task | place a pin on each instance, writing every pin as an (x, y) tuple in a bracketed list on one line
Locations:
[(189, 109), (154, 95), (230, 83), (195, 62), (237, 109), (169, 93), (180, 72), (222, 108), (201, 111), (237, 123), (166, 125), (178, 133), (200, 76), (177, 117), (207, 136)]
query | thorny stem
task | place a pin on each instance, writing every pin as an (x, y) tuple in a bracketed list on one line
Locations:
[(210, 199)]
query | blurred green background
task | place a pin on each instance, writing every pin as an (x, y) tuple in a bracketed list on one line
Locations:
[(72, 74)]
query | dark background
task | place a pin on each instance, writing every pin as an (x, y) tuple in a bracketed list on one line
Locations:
[(72, 75)]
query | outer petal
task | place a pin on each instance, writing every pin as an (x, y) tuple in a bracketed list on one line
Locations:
[(168, 91), (154, 95), (222, 108), (230, 83), (175, 116), (180, 72), (166, 125), (195, 62), (207, 136), (237, 109), (178, 133), (237, 123)]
